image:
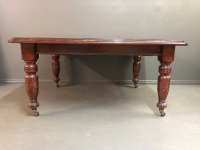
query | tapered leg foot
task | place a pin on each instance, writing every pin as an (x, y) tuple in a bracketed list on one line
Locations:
[(56, 69), (136, 70)]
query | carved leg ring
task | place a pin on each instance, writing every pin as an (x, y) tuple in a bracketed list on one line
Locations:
[(163, 86), (31, 82), (136, 70), (56, 68)]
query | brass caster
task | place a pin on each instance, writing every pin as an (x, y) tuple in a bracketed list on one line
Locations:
[(57, 85), (135, 85), (162, 113), (35, 113)]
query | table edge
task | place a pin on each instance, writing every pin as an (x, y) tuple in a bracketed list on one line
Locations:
[(95, 41)]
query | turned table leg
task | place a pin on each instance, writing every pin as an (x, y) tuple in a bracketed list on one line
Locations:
[(165, 59), (56, 68), (136, 70), (32, 86), (163, 86)]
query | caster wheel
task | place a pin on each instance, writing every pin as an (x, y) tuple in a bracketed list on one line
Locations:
[(57, 85), (135, 85), (36, 113), (162, 113)]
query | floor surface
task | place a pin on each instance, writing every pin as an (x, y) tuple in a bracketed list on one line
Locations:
[(100, 117)]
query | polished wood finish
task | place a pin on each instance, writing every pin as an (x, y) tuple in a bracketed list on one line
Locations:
[(164, 78), (95, 41), (30, 58), (56, 68), (32, 47), (136, 70)]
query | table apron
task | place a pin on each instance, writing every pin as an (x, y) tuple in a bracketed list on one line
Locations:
[(73, 49)]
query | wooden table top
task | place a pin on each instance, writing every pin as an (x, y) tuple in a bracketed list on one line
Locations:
[(97, 41)]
